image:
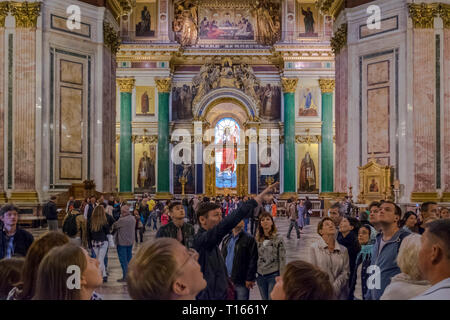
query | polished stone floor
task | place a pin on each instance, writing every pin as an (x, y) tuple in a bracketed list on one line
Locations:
[(295, 250)]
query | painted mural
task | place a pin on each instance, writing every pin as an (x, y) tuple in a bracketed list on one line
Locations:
[(308, 167), (187, 171), (145, 18), (226, 138), (308, 102), (309, 20), (270, 100), (145, 101), (144, 167), (182, 97)]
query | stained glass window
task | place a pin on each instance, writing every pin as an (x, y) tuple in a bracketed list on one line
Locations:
[(226, 140)]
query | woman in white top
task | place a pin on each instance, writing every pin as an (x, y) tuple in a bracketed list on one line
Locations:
[(331, 257), (409, 283)]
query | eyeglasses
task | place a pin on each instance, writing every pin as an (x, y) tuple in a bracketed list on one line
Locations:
[(192, 254)]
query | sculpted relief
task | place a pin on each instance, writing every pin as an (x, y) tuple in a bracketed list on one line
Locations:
[(227, 20)]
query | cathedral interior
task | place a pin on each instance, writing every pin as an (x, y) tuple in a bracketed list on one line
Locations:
[(331, 98)]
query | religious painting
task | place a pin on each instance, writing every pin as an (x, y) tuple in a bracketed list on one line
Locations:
[(182, 97), (374, 184), (145, 164), (308, 102), (270, 99), (263, 178), (145, 18), (186, 172), (309, 20), (226, 139), (145, 101), (226, 24), (308, 167)]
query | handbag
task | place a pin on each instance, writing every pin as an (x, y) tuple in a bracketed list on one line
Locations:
[(111, 241)]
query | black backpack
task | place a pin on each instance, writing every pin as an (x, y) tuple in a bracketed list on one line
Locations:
[(70, 225), (116, 213)]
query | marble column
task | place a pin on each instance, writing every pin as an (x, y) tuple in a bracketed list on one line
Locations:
[(24, 97), (289, 88), (198, 156), (3, 50), (424, 102), (125, 147), (445, 15), (162, 184), (326, 151)]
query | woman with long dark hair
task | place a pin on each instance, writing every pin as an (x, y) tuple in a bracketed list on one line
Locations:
[(98, 230), (409, 222), (271, 254)]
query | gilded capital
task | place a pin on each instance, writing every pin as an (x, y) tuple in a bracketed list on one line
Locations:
[(126, 84), (423, 14), (339, 39), (327, 85), (163, 84), (26, 13), (111, 38), (4, 9), (444, 12), (289, 84)]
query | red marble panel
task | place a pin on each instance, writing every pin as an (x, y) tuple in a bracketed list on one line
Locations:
[(424, 113), (24, 128)]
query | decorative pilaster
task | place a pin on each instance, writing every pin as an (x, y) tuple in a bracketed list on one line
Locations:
[(198, 156), (327, 157), (339, 40), (424, 100), (163, 185), (24, 111), (289, 88), (4, 9), (444, 13), (126, 86)]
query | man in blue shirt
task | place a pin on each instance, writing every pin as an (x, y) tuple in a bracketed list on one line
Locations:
[(240, 252), (13, 240)]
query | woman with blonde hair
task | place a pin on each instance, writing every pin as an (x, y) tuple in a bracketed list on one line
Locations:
[(57, 275), (24, 290), (98, 230), (409, 283), (271, 254)]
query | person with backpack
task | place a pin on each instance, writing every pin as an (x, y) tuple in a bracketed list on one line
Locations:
[(116, 210), (74, 225)]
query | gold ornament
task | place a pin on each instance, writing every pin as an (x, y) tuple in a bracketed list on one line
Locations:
[(26, 13), (164, 84), (289, 84), (4, 9), (324, 5), (126, 84), (423, 14), (327, 85), (339, 39), (444, 12), (110, 38)]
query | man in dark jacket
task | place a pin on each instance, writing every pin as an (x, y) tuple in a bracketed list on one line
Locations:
[(177, 228), (13, 241), (212, 230), (51, 214), (240, 251), (254, 219)]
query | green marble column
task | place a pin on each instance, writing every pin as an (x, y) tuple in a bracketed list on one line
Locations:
[(326, 151), (126, 167), (163, 183), (289, 87)]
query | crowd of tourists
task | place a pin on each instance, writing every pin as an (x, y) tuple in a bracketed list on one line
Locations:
[(220, 248)]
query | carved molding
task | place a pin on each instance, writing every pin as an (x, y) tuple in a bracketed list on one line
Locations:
[(4, 10), (327, 85), (444, 12), (308, 139), (26, 13), (137, 139), (423, 14), (126, 84), (111, 38), (164, 85), (339, 40), (289, 84)]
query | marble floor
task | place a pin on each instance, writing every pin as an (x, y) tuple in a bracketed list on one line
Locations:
[(295, 250)]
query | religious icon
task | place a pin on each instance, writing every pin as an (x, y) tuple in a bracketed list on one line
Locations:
[(270, 98), (307, 174), (146, 172), (307, 108), (144, 20), (373, 187), (145, 101), (227, 138), (182, 102), (185, 171), (309, 21)]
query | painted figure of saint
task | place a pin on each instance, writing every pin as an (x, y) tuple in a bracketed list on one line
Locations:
[(307, 174), (145, 103), (308, 107), (373, 186), (146, 172), (309, 20), (145, 17)]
